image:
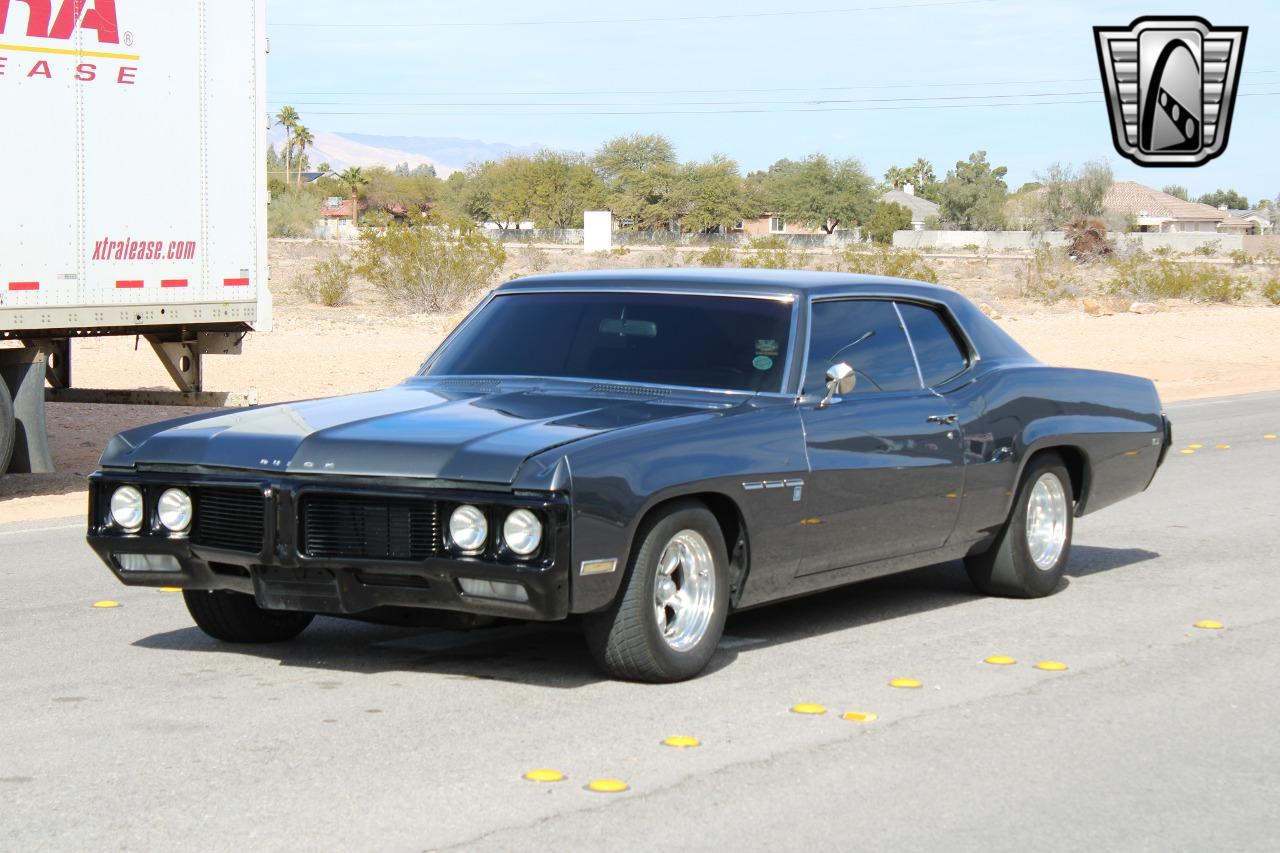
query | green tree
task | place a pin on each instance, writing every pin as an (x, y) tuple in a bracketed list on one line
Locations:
[(818, 191), (1067, 195), (288, 119), (498, 191), (710, 195), (292, 212), (640, 173), (972, 196), (1177, 191), (886, 218), (559, 187), (354, 180), (919, 174), (1230, 198)]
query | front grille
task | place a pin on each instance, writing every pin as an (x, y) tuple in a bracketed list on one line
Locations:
[(372, 528), (233, 519)]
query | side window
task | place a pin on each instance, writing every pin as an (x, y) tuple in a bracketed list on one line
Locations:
[(866, 335), (939, 354)]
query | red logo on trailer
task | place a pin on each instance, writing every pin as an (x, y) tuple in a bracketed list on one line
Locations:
[(96, 15)]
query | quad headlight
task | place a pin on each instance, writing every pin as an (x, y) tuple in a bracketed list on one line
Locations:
[(468, 529), (127, 509), (522, 531), (174, 510)]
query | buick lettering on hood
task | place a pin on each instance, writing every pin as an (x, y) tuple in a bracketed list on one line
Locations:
[(641, 451)]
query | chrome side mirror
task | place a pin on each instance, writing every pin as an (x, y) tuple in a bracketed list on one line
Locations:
[(840, 380)]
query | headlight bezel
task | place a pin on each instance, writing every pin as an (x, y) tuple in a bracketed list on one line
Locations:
[(480, 521), (162, 525), (140, 505), (531, 521)]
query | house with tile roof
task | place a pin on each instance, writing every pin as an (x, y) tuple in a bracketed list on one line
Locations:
[(1158, 211), (922, 210)]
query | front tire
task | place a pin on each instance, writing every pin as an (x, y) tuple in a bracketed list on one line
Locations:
[(1031, 551), (235, 617), (666, 623)]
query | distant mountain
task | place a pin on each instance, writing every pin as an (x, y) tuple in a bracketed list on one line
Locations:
[(446, 154)]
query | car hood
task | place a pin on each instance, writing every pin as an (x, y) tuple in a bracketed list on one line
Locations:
[(411, 430)]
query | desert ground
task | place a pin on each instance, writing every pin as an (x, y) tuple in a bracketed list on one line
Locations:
[(1190, 350)]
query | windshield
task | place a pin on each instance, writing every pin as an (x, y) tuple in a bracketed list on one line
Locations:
[(724, 342)]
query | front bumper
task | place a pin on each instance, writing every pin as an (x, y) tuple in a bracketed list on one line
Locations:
[(281, 575)]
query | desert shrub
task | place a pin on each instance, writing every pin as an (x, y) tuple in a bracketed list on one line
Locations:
[(667, 256), (972, 247), (1163, 252), (1271, 290), (1166, 279), (1087, 239), (619, 251), (429, 268), (887, 217), (1240, 258), (769, 253), (896, 263), (293, 213), (1208, 249), (533, 258), (718, 255), (1050, 276), (328, 283)]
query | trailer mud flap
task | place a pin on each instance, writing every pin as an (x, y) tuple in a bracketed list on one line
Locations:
[(23, 371)]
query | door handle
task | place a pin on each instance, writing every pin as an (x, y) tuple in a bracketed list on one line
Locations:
[(941, 419)]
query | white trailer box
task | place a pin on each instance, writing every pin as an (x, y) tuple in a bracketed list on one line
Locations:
[(134, 137)]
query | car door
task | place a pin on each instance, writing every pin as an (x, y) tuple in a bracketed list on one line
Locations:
[(886, 460)]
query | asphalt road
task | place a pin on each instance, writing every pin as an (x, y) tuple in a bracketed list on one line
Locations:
[(127, 728)]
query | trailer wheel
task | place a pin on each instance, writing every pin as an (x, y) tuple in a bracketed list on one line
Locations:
[(8, 427)]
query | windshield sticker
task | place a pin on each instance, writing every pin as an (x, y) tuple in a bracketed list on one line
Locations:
[(762, 362), (766, 346)]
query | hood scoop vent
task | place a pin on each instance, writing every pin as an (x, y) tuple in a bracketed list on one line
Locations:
[(471, 384), (630, 390)]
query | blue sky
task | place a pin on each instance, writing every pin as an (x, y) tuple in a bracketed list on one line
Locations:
[(496, 71)]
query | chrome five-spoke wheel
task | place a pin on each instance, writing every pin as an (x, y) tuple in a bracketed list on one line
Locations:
[(1047, 513), (684, 590)]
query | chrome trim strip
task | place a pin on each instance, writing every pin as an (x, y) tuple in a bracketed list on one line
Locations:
[(910, 343), (779, 296)]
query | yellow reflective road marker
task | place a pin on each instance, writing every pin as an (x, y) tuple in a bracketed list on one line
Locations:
[(1270, 435), (1209, 625), (682, 742), (1223, 446), (544, 774), (1186, 452), (1051, 665), (1195, 446), (1000, 660), (171, 589), (808, 708), (859, 716), (607, 786), (106, 605), (908, 683)]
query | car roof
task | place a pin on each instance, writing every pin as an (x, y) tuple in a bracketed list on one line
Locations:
[(990, 340), (729, 281)]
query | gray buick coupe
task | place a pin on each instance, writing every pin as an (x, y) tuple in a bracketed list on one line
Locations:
[(646, 450)]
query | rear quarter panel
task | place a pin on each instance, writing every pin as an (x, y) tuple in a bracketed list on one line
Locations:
[(1113, 421)]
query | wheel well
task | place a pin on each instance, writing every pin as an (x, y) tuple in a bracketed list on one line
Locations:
[(729, 518), (1078, 469)]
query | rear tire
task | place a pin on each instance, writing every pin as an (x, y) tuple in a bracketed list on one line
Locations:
[(8, 427), (681, 561), (1009, 568), (236, 618)]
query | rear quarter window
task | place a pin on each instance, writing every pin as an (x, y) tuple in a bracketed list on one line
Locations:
[(937, 350)]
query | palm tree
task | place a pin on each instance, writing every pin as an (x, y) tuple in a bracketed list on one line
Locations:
[(303, 140), (288, 119), (354, 178)]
